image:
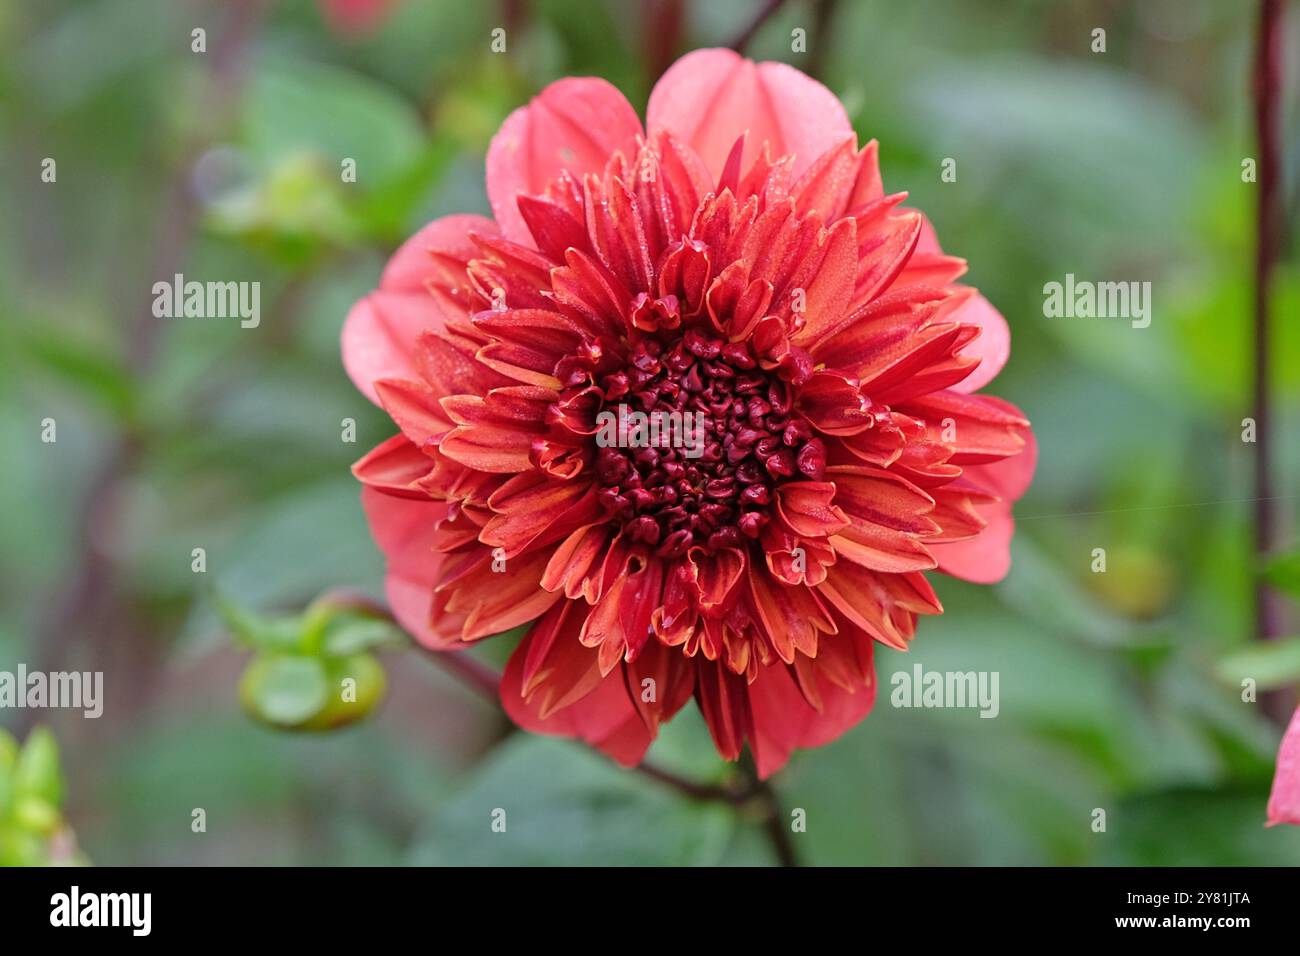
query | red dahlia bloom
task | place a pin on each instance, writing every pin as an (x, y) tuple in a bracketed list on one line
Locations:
[(738, 260)]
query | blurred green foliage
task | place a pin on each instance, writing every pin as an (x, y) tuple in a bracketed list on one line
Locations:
[(1120, 690), (32, 830)]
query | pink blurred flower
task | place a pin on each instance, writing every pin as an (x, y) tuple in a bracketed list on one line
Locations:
[(355, 16), (1284, 801)]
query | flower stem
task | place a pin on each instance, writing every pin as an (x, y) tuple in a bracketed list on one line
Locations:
[(764, 13), (774, 819), (663, 21), (471, 672), (823, 13), (696, 791), (1267, 91)]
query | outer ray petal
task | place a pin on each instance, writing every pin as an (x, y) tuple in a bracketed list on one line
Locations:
[(709, 98), (986, 558), (574, 126), (784, 719), (605, 717), (993, 345), (380, 332), (404, 531)]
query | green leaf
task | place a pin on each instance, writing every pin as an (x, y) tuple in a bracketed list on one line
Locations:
[(1270, 664), (284, 690), (333, 113), (68, 60), (1190, 826), (37, 772), (386, 210), (1284, 573), (284, 633), (686, 747), (348, 635), (562, 804), (79, 365)]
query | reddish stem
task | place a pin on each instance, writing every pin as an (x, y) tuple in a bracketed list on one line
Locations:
[(472, 672), (764, 13), (1267, 96), (775, 822), (823, 14), (663, 21)]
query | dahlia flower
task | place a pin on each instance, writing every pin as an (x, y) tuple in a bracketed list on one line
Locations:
[(736, 258)]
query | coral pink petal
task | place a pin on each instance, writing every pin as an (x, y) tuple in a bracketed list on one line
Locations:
[(380, 332), (374, 335), (986, 558), (784, 720), (412, 605), (1010, 477), (927, 243), (709, 98), (1284, 801), (574, 126), (403, 528), (411, 266), (606, 718), (992, 346)]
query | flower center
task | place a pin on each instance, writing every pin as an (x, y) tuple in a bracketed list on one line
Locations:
[(703, 436)]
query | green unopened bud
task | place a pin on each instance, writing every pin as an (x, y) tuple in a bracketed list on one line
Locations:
[(357, 685), (284, 690), (314, 670), (301, 692)]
